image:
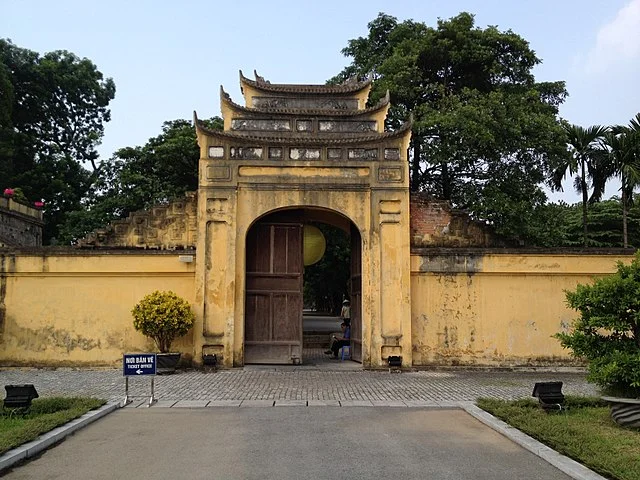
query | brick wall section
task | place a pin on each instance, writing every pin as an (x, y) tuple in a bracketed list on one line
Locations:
[(20, 225), (435, 224)]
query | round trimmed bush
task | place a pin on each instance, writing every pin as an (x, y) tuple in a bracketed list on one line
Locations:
[(163, 316)]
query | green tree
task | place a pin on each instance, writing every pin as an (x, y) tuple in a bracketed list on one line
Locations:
[(327, 282), (52, 114), (622, 146), (560, 224), (587, 162), (135, 178), (484, 130), (607, 332)]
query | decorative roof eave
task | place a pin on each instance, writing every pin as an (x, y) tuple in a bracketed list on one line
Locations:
[(299, 140), (350, 86), (225, 98)]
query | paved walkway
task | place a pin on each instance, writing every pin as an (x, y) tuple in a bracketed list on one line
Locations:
[(287, 443), (330, 382)]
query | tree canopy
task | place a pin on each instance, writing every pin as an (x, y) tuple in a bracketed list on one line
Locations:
[(135, 178), (485, 132), (52, 114)]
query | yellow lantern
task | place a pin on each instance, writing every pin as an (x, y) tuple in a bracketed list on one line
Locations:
[(313, 245)]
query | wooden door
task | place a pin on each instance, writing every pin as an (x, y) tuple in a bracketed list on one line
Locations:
[(273, 307), (356, 295)]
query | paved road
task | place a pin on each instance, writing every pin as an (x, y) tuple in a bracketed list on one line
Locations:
[(318, 323), (287, 443)]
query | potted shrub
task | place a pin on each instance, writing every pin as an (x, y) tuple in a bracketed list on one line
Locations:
[(163, 316), (607, 335)]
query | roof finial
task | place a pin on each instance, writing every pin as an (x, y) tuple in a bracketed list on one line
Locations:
[(260, 79), (224, 95)]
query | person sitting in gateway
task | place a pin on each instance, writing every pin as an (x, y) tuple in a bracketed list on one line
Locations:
[(339, 341)]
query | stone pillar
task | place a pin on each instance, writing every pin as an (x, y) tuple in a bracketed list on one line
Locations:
[(390, 276), (215, 275)]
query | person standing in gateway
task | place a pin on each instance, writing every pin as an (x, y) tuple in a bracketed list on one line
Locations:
[(345, 313)]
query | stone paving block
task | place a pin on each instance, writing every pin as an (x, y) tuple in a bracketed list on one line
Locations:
[(136, 403), (164, 404), (449, 405), (388, 403), (257, 403), (356, 403), (224, 403), (421, 404), (191, 404), (294, 383), (323, 403), (290, 403)]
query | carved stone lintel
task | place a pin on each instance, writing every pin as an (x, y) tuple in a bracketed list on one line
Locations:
[(271, 125), (390, 174), (245, 153), (304, 125), (304, 153), (341, 126), (363, 154), (334, 153), (216, 152), (392, 154), (318, 103)]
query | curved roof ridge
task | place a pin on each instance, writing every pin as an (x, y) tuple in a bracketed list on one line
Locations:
[(382, 103), (275, 139), (351, 85)]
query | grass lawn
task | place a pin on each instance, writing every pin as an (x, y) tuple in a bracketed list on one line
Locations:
[(45, 414), (584, 432)]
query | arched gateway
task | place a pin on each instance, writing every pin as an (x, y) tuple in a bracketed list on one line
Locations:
[(298, 153)]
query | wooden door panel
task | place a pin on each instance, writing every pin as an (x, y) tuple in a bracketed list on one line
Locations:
[(257, 244), (294, 252), (257, 324), (273, 318), (286, 308), (267, 282), (280, 235)]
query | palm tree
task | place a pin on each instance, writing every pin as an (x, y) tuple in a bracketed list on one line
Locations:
[(622, 145), (586, 162)]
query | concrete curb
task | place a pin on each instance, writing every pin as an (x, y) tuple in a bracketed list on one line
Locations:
[(564, 464), (45, 440)]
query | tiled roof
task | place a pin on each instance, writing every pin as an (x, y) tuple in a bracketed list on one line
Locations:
[(278, 138), (350, 86), (384, 101)]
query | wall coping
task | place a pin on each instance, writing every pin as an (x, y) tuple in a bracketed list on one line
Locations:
[(423, 251), (431, 251), (21, 210), (83, 252)]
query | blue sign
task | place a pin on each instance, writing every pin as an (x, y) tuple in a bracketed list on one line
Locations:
[(138, 364)]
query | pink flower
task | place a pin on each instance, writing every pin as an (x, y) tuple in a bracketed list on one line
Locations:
[(38, 204), (9, 192)]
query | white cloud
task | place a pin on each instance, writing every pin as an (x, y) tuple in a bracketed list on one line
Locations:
[(618, 41)]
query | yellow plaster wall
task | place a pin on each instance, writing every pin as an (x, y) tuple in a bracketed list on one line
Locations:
[(75, 309), (496, 309)]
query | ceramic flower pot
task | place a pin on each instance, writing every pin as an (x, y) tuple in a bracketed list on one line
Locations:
[(625, 411)]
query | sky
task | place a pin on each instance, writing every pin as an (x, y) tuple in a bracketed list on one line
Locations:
[(169, 58)]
